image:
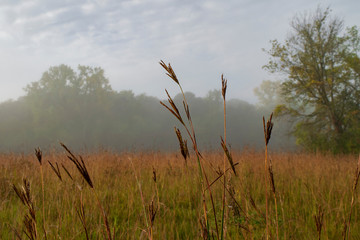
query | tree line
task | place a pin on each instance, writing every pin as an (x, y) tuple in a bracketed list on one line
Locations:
[(80, 108)]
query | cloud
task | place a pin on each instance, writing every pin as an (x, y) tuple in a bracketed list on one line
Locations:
[(202, 39)]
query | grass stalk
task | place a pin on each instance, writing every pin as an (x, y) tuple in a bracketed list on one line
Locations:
[(174, 110), (104, 216), (267, 135), (346, 231), (319, 218), (266, 194), (142, 199), (273, 189), (156, 188), (81, 214), (38, 154), (283, 216), (224, 87), (24, 194), (80, 165)]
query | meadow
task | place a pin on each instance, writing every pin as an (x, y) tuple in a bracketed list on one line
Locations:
[(158, 195), (220, 194)]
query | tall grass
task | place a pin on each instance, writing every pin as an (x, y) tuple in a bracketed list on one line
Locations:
[(207, 232), (304, 182), (189, 127), (218, 195), (38, 154)]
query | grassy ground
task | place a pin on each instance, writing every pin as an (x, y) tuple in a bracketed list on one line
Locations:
[(307, 187)]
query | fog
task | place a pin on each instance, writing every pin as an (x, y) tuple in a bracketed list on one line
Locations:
[(80, 109)]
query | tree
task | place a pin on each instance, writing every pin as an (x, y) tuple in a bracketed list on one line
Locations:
[(269, 94), (321, 86), (64, 100)]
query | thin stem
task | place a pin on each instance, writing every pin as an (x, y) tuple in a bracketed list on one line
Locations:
[(43, 199), (199, 157), (277, 219), (356, 180), (224, 186), (267, 135), (266, 193), (108, 231), (141, 195), (283, 216)]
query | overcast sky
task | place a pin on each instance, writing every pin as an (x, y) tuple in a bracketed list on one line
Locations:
[(127, 38)]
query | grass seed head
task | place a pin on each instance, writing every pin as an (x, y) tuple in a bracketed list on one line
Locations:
[(183, 144), (152, 212), (271, 176), (56, 170), (67, 172), (170, 71), (268, 128), (319, 217), (228, 155), (154, 174), (224, 86), (29, 221), (80, 165), (174, 110), (38, 154)]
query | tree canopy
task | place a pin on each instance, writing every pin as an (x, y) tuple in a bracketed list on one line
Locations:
[(320, 64)]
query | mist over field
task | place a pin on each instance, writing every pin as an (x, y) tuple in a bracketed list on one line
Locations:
[(80, 108)]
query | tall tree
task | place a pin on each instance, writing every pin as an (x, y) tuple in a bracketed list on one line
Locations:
[(321, 86), (64, 99), (269, 94)]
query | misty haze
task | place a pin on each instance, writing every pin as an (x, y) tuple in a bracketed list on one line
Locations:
[(80, 108)]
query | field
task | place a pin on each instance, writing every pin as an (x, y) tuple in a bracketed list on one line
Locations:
[(156, 195)]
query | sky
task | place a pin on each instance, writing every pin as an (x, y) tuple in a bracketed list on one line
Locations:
[(202, 39)]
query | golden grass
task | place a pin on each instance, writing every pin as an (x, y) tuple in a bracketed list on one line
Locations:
[(312, 189)]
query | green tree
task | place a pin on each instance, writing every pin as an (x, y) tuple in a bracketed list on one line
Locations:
[(69, 105), (269, 94), (321, 86)]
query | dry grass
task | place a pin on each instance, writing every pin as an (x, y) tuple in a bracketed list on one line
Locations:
[(304, 182), (222, 195)]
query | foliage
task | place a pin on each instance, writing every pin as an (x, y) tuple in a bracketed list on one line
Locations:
[(321, 86), (269, 94)]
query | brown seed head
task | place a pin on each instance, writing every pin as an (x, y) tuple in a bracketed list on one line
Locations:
[(228, 155), (267, 129), (80, 165), (38, 154), (56, 170), (154, 174), (183, 144), (271, 176), (174, 110), (224, 86), (319, 216), (152, 210), (170, 71)]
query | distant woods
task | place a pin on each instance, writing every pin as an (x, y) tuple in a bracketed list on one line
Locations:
[(81, 109)]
